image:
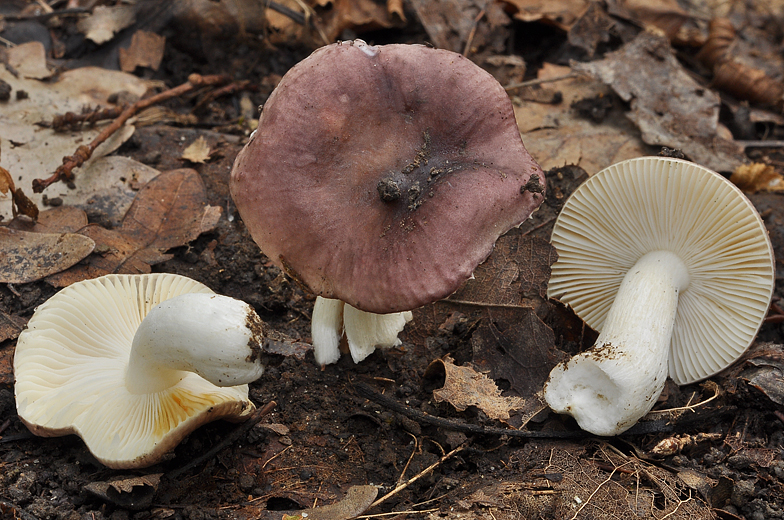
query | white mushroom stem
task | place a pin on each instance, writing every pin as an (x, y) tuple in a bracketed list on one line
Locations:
[(214, 336), (365, 331), (609, 387)]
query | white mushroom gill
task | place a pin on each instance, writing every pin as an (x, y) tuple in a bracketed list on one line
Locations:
[(651, 248), (364, 331), (72, 375), (611, 386)]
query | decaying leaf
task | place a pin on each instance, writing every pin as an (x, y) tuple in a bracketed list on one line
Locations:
[(10, 327), (464, 387), (170, 211), (21, 204), (22, 138), (561, 13), (197, 152), (453, 25), (669, 107), (26, 257), (132, 493), (356, 502), (29, 60), (105, 21), (556, 134), (757, 177), (355, 15), (146, 50)]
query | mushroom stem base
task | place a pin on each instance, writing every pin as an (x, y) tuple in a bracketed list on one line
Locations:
[(609, 387)]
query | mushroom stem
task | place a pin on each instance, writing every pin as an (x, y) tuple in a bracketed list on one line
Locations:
[(365, 331), (214, 336), (609, 387)]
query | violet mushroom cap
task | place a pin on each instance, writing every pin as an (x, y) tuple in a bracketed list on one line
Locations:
[(133, 363), (382, 176), (674, 267)]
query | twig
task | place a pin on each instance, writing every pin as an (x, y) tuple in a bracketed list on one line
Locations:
[(238, 432), (76, 11), (644, 428), (761, 144), (413, 479), (65, 171), (470, 39), (532, 82), (410, 458)]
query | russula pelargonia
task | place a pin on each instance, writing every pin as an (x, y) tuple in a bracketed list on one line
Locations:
[(133, 363), (381, 176), (674, 267)]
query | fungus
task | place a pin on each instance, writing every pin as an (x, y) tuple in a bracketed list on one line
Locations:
[(382, 176), (674, 267), (133, 363)]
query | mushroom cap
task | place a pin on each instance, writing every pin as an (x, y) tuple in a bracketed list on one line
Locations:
[(70, 367), (651, 203), (352, 122)]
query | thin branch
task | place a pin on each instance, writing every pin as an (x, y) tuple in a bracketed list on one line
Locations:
[(533, 82), (65, 171)]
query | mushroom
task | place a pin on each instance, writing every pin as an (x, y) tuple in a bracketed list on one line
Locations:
[(381, 176), (674, 267), (133, 363)]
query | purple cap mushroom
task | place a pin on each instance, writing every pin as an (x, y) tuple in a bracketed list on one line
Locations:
[(382, 176)]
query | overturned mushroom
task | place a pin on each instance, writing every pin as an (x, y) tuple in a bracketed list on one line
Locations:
[(674, 267), (382, 176), (133, 363)]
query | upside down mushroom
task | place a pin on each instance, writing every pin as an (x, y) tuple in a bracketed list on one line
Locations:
[(380, 177), (133, 363), (673, 266)]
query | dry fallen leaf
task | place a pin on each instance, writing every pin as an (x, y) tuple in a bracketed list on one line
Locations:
[(757, 177), (170, 211), (561, 13), (197, 152), (104, 22), (26, 256), (451, 25), (29, 60), (22, 139), (146, 50), (670, 108), (558, 135), (464, 387), (356, 502), (132, 493)]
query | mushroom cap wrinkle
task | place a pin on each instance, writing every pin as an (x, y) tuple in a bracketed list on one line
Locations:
[(649, 204), (382, 176), (73, 375)]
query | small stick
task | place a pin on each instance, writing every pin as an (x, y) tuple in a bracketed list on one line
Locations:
[(413, 479), (65, 171), (540, 81), (420, 416), (238, 432)]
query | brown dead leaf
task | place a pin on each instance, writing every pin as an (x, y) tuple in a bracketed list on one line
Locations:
[(591, 29), (561, 13), (464, 387), (62, 219), (104, 22), (10, 327), (133, 493), (29, 60), (669, 107), (558, 134), (515, 274), (7, 359), (26, 257), (356, 15), (666, 15), (356, 502), (169, 211), (146, 50), (451, 24), (757, 177), (197, 152)]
